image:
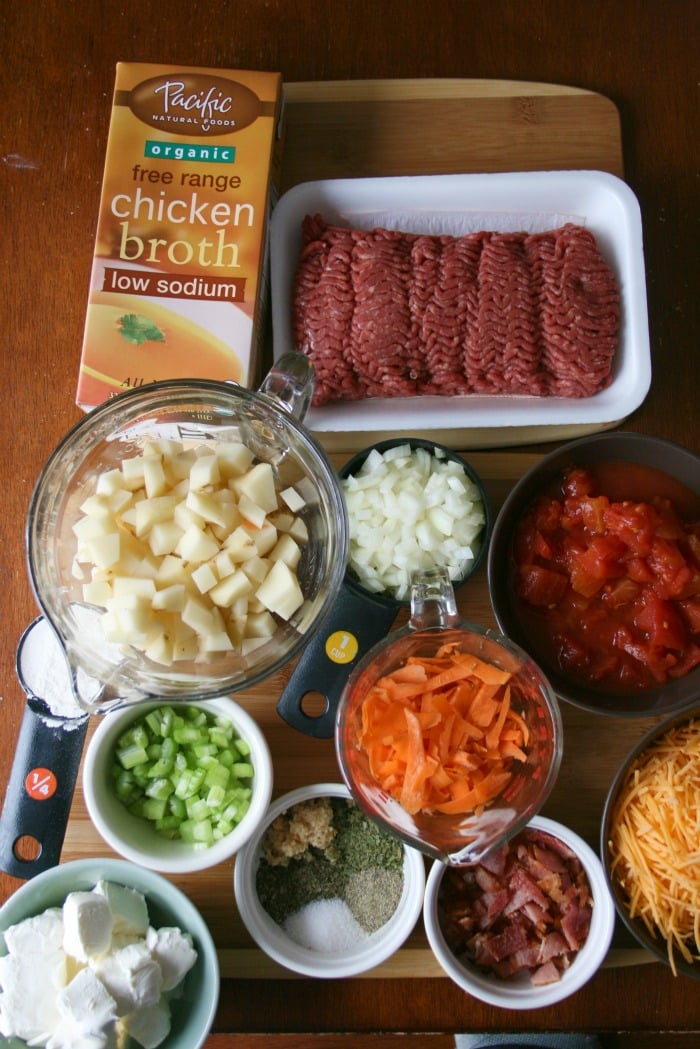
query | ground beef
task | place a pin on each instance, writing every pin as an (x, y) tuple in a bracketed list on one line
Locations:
[(389, 314)]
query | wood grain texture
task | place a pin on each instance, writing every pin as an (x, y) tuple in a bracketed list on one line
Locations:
[(56, 81)]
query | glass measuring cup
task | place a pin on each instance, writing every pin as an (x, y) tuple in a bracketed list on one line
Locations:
[(268, 421), (454, 839)]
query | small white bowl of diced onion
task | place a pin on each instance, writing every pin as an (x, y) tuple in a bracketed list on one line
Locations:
[(177, 787)]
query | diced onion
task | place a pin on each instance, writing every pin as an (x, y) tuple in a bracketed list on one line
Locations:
[(408, 510)]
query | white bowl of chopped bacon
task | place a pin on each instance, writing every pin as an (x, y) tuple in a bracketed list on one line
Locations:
[(649, 842), (527, 926)]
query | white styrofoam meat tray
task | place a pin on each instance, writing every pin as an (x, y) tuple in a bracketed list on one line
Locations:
[(457, 204)]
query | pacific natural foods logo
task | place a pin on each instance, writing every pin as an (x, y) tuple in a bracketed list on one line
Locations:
[(195, 103)]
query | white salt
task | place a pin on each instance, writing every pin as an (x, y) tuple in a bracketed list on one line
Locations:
[(44, 672), (326, 926)]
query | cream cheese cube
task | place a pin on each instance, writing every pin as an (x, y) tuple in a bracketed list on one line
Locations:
[(173, 950), (87, 925), (128, 907), (87, 1004), (132, 977), (149, 1026)]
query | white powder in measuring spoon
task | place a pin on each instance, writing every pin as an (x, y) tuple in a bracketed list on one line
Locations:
[(43, 671)]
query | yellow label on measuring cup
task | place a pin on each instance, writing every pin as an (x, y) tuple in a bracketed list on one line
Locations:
[(341, 646)]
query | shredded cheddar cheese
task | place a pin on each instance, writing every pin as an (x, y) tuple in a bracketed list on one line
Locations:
[(655, 840)]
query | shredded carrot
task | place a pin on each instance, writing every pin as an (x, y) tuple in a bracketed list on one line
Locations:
[(441, 733)]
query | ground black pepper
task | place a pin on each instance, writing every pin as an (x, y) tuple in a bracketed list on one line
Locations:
[(363, 866)]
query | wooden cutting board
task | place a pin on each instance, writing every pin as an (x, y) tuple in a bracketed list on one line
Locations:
[(594, 747), (342, 129), (389, 127)]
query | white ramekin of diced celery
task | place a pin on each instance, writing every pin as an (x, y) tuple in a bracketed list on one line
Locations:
[(179, 786)]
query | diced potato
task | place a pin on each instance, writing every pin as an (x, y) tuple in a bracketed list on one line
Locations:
[(287, 550), (234, 459), (197, 615), (154, 479), (151, 511), (293, 499), (280, 592), (256, 568), (164, 537), (204, 472), (170, 598), (258, 484), (264, 538), (92, 527), (191, 551), (240, 545), (211, 509), (196, 545), (228, 590), (204, 578), (104, 550), (125, 586), (97, 592), (251, 512), (260, 624), (110, 481), (299, 531)]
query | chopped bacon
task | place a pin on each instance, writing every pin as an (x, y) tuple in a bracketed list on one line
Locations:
[(525, 908)]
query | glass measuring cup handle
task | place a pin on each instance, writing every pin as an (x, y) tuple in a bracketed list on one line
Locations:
[(354, 624), (433, 602), (290, 383)]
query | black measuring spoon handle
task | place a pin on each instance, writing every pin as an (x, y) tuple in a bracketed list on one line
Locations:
[(40, 789), (354, 624)]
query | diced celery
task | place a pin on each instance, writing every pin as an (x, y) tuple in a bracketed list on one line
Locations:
[(215, 797), (160, 788), (185, 771), (242, 769), (131, 755), (197, 808)]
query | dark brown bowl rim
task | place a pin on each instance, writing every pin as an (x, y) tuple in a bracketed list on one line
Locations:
[(636, 926), (674, 696)]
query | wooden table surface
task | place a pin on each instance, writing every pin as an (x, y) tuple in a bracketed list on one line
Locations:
[(56, 81)]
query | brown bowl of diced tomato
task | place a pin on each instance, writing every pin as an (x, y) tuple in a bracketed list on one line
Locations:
[(594, 570)]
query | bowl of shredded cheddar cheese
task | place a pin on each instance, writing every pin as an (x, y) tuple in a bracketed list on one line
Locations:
[(650, 846)]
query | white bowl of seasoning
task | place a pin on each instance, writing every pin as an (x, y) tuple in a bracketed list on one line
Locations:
[(371, 885), (499, 959)]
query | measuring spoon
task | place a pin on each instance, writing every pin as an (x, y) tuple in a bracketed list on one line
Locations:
[(47, 757)]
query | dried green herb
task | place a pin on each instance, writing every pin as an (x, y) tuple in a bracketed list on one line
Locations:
[(363, 867)]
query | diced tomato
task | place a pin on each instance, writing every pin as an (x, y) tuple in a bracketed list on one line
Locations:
[(661, 623), (603, 557), (672, 573), (621, 592), (540, 586), (615, 585), (639, 571), (633, 523), (578, 482), (690, 610), (593, 513)]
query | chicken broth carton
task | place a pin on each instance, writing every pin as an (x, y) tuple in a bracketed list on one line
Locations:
[(178, 279)]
